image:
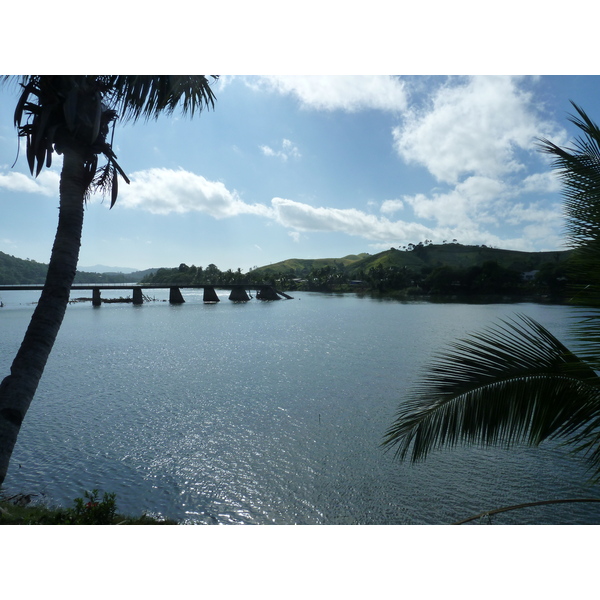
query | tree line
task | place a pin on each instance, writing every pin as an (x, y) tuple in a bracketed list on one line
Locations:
[(193, 275), (490, 278)]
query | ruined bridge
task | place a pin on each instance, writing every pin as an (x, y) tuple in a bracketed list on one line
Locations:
[(238, 293)]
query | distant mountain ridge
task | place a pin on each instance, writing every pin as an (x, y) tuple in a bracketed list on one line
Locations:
[(105, 269)]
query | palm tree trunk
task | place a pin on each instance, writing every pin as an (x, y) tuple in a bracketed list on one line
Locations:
[(18, 388)]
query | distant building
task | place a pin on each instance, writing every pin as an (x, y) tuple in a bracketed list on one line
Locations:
[(529, 275)]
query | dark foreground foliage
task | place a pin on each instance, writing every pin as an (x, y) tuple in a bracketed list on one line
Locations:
[(89, 510)]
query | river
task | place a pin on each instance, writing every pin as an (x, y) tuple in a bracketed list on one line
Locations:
[(266, 412)]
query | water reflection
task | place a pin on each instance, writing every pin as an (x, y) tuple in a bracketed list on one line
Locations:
[(268, 413)]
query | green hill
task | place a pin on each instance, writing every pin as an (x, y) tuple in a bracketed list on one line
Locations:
[(301, 267), (18, 271), (458, 256), (420, 257)]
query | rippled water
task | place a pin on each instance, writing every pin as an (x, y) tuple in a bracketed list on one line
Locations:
[(265, 412)]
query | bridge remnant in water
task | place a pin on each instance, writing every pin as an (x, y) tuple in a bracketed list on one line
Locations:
[(238, 291)]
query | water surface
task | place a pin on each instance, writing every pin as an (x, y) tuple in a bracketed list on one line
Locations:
[(265, 412)]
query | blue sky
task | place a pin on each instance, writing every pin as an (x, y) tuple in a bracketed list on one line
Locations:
[(316, 166)]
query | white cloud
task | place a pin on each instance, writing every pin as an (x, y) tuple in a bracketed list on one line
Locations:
[(482, 210), (164, 191), (470, 201), (391, 206), (268, 151), (544, 215), (477, 135), (46, 183), (480, 201), (547, 182), (348, 93), (473, 126), (288, 149), (303, 217)]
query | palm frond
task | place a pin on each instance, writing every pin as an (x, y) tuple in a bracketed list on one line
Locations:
[(579, 170), (513, 383), (144, 96), (585, 331)]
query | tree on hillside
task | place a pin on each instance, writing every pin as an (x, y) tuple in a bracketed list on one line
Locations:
[(516, 382), (72, 115)]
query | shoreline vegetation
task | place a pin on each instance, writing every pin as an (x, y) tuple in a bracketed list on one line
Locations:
[(448, 272), (93, 510), (21, 509)]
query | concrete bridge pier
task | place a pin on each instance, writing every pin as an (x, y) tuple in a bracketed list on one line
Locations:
[(175, 296), (238, 294), (96, 301), (138, 297), (210, 295), (267, 293)]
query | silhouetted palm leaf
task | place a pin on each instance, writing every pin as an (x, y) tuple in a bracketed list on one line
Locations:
[(513, 383), (137, 96), (579, 170)]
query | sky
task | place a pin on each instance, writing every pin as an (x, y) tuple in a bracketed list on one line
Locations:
[(316, 167)]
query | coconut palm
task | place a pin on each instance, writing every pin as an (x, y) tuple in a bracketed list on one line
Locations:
[(516, 382), (72, 116)]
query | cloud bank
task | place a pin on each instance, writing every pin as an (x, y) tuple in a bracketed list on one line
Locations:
[(453, 214), (165, 191)]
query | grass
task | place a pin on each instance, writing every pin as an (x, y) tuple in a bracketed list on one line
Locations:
[(89, 510)]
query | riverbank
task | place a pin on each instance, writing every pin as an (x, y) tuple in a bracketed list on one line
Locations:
[(22, 509), (408, 296)]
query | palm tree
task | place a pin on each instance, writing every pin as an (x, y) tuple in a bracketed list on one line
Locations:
[(516, 382), (72, 116)]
